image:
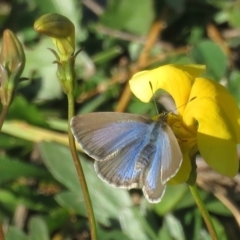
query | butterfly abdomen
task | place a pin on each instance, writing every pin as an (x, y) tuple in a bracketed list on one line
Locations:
[(149, 149)]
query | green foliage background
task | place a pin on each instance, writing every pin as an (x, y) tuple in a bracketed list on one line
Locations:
[(40, 197)]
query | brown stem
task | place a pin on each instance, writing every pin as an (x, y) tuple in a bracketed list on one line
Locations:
[(142, 60)]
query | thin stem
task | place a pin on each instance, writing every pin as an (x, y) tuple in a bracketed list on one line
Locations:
[(2, 118), (79, 169), (203, 211), (3, 115)]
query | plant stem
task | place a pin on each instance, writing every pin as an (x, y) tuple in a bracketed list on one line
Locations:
[(2, 118), (203, 211), (79, 169), (3, 115)]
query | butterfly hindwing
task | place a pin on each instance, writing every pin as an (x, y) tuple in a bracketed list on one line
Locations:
[(165, 161), (171, 155), (121, 171), (153, 188)]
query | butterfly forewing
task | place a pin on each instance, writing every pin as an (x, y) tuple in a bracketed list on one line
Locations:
[(101, 134)]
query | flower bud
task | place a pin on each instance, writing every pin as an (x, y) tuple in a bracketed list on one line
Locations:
[(12, 62), (61, 30)]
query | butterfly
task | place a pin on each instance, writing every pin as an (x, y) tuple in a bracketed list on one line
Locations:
[(130, 150)]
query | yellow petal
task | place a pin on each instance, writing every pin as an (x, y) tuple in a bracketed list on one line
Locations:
[(214, 114), (220, 154), (177, 80), (214, 107)]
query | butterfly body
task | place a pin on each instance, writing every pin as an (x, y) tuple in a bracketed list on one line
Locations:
[(131, 151)]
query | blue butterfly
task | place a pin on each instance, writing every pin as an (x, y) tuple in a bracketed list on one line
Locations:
[(131, 151)]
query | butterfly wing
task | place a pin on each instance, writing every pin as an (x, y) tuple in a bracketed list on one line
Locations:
[(173, 154), (121, 171), (165, 160), (114, 140)]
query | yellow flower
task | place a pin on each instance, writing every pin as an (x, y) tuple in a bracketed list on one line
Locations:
[(208, 118)]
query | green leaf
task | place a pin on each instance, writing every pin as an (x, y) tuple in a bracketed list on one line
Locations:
[(174, 226), (135, 16), (14, 233), (8, 200), (164, 233), (234, 85), (106, 199), (58, 124), (108, 202), (106, 56), (188, 200), (134, 224), (210, 54), (94, 103), (74, 203), (38, 229), (12, 169), (219, 229), (40, 60), (195, 217), (23, 110), (10, 142), (58, 217), (31, 198), (168, 203), (110, 235), (215, 206), (234, 16), (171, 229), (196, 35)]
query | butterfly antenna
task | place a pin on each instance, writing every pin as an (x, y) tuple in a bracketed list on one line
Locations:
[(186, 103), (154, 98)]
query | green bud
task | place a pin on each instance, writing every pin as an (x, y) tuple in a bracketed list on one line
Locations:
[(12, 56), (12, 62), (61, 30)]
